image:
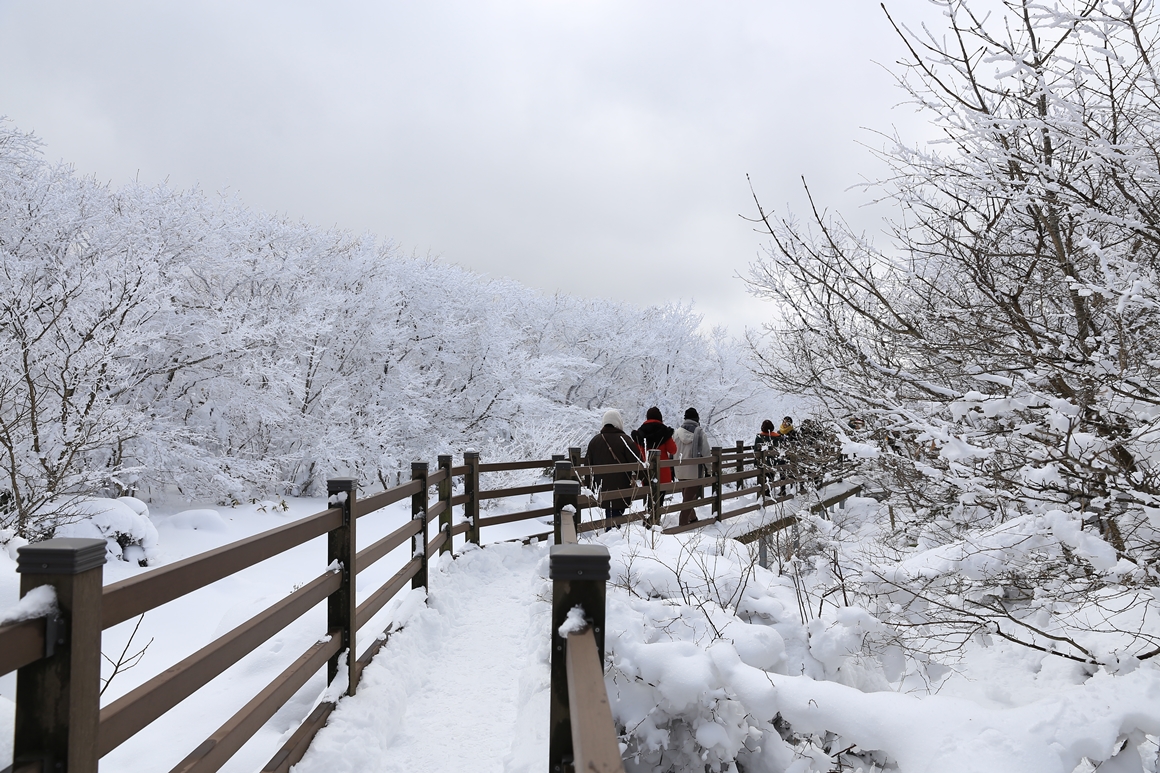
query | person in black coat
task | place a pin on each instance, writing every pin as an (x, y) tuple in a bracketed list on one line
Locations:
[(612, 446)]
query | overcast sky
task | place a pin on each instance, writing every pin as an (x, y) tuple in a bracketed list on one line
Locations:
[(596, 148)]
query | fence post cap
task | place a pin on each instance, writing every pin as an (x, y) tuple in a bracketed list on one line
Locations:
[(418, 467), (444, 459), (66, 555), (335, 485), (578, 562), (566, 486)]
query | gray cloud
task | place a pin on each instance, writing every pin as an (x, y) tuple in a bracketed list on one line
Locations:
[(597, 148)]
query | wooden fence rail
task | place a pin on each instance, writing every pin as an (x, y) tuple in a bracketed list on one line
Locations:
[(60, 724)]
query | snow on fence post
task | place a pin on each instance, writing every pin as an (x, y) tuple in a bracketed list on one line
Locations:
[(58, 697), (654, 490), (340, 605), (444, 490), (419, 512), (740, 462), (565, 493), (716, 453), (471, 491), (579, 575)]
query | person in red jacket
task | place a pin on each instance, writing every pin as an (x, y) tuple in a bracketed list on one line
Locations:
[(654, 434)]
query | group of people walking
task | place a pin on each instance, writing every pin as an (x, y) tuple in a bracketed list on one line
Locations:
[(612, 445)]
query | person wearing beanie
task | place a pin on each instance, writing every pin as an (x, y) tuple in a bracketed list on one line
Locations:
[(653, 434), (767, 438), (612, 446), (691, 444)]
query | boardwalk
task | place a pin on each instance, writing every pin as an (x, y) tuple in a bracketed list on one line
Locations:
[(446, 692)]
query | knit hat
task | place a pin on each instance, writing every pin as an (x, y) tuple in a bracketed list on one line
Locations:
[(692, 414), (653, 414), (612, 416)]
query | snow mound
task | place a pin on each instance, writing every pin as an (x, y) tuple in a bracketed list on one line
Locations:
[(198, 520), (125, 527)]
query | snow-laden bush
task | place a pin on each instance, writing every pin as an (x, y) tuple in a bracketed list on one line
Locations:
[(123, 523)]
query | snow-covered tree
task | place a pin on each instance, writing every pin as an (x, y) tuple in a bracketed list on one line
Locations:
[(163, 341), (1003, 341)]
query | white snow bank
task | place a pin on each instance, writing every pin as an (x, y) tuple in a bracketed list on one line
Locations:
[(198, 520), (123, 523), (949, 735), (38, 602)]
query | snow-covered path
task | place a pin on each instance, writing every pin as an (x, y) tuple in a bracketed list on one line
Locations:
[(445, 692)]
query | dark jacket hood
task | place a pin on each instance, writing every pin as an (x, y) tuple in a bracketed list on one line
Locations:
[(652, 434)]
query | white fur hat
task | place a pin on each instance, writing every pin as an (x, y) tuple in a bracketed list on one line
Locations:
[(612, 417)]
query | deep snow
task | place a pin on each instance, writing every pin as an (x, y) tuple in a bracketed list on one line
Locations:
[(712, 661)]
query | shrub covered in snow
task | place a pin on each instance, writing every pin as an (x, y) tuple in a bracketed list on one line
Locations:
[(123, 523)]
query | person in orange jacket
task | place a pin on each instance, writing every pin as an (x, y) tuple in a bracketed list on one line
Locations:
[(654, 434)]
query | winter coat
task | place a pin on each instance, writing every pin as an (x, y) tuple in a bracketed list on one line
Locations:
[(766, 441), (653, 434), (612, 446), (691, 444)]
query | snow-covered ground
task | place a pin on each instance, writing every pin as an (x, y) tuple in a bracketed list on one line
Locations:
[(714, 664), (180, 628)]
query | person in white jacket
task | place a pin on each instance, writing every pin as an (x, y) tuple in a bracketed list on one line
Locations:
[(691, 444)]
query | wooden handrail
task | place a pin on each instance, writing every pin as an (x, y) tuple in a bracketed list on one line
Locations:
[(509, 466), (516, 491), (231, 736), (21, 643), (127, 715), (605, 469), (383, 498), (435, 510), (522, 515), (373, 553), (379, 598), (595, 746), (741, 492), (736, 476), (686, 462), (126, 599)]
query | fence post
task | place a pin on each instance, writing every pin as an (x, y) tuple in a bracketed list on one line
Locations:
[(564, 493), (654, 483), (740, 462), (716, 452), (574, 456), (340, 605), (419, 511), (579, 575), (58, 697), (445, 497), (471, 491)]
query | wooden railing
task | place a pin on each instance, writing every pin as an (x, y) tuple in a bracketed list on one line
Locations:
[(61, 725)]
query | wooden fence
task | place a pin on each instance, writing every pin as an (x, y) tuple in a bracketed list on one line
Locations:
[(61, 726)]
